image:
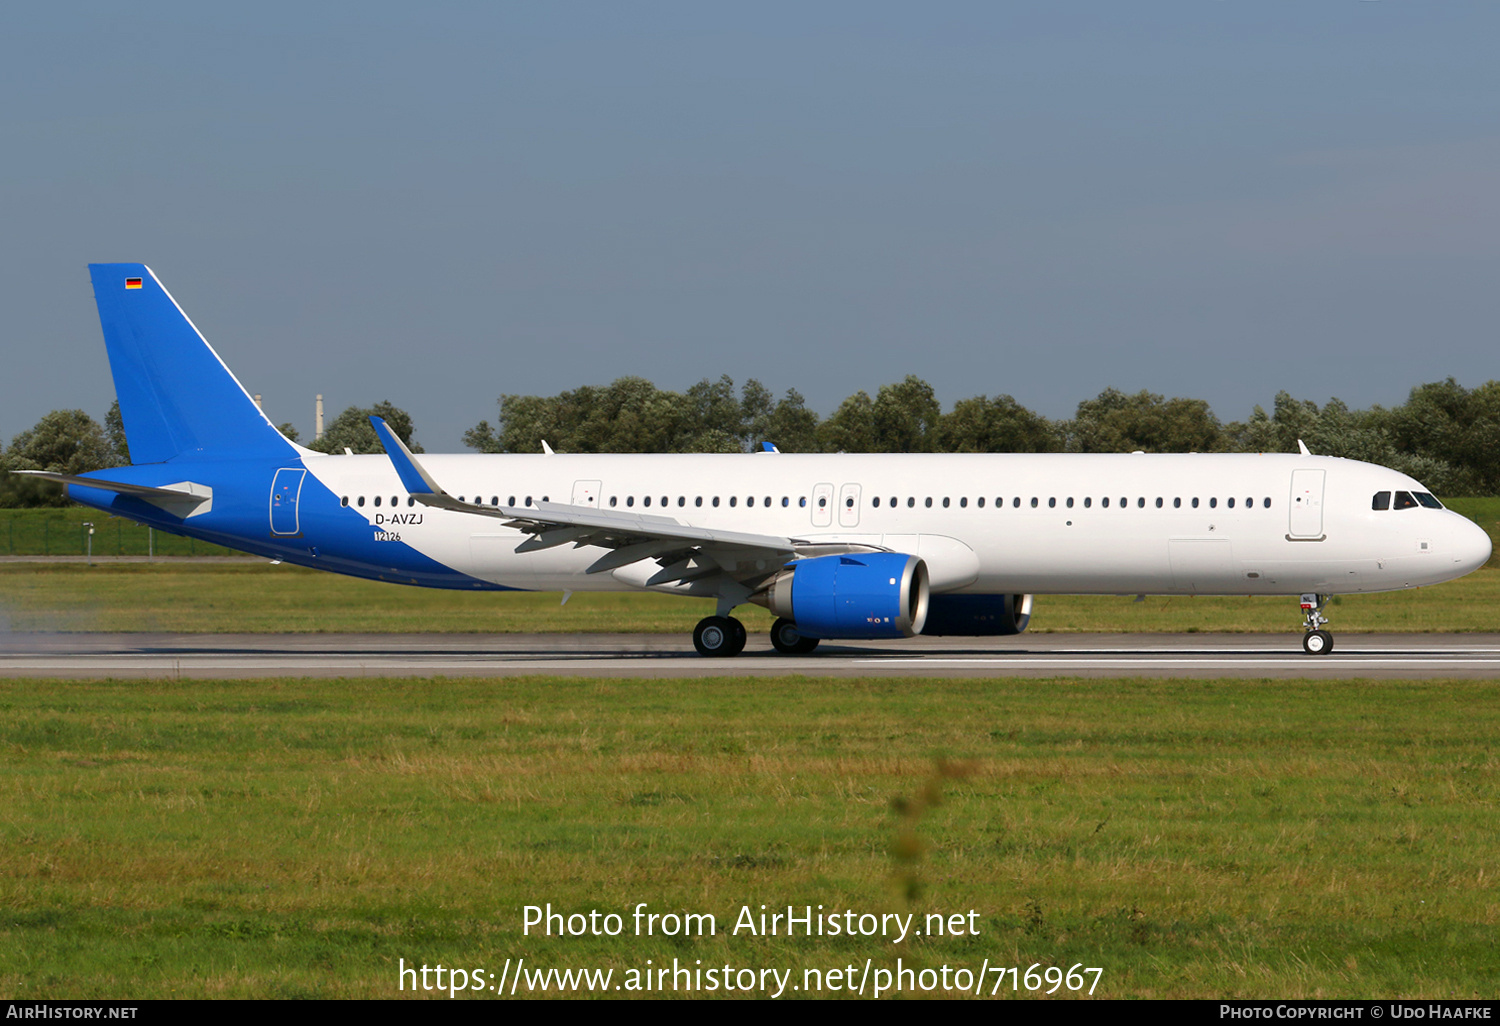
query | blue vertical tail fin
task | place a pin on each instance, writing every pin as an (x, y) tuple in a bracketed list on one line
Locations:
[(177, 398)]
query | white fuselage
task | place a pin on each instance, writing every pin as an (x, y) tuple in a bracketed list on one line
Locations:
[(984, 524)]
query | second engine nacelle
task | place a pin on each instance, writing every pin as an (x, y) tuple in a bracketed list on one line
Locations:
[(978, 616), (870, 595)]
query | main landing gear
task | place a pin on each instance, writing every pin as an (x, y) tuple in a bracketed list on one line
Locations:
[(1316, 641), (788, 640), (719, 636), (725, 636)]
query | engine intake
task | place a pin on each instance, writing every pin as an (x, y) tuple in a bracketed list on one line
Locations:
[(871, 595)]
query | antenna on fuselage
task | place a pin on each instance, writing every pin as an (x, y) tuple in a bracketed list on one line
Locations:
[(1302, 448)]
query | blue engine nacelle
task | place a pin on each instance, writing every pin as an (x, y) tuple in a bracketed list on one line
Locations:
[(977, 616), (870, 595)]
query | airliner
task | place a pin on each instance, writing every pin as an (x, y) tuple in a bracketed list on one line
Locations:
[(836, 546)]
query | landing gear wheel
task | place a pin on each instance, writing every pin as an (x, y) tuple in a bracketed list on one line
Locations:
[(719, 636), (1317, 642), (788, 640)]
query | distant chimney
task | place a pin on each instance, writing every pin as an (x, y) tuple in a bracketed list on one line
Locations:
[(258, 405), (318, 421)]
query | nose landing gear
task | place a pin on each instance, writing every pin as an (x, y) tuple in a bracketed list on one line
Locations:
[(1315, 641)]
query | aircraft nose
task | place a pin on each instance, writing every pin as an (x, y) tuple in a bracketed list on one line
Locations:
[(1471, 546)]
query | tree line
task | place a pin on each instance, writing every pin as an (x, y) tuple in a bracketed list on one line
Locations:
[(1444, 435)]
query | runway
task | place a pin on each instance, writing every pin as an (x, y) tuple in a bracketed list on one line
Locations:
[(233, 656)]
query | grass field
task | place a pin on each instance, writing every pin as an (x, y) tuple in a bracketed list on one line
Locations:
[(214, 598), (63, 531), (1193, 839)]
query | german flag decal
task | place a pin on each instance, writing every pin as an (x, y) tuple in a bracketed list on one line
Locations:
[(132, 283)]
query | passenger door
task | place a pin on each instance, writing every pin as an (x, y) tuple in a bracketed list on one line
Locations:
[(1306, 512), (286, 491)]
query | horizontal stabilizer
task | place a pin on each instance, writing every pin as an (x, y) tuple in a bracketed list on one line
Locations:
[(183, 500)]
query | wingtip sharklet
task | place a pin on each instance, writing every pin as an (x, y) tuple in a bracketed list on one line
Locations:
[(414, 478)]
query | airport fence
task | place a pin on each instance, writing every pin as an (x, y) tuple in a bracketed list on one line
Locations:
[(63, 531)]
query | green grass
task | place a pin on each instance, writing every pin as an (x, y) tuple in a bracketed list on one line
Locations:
[(233, 598), (63, 531), (1193, 838)]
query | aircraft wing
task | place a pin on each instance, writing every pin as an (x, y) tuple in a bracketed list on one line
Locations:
[(686, 553)]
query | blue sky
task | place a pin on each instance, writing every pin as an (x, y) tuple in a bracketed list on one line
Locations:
[(438, 204)]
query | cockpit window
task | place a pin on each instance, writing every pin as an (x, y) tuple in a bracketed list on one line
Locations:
[(1429, 500), (1404, 500), (1382, 501)]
